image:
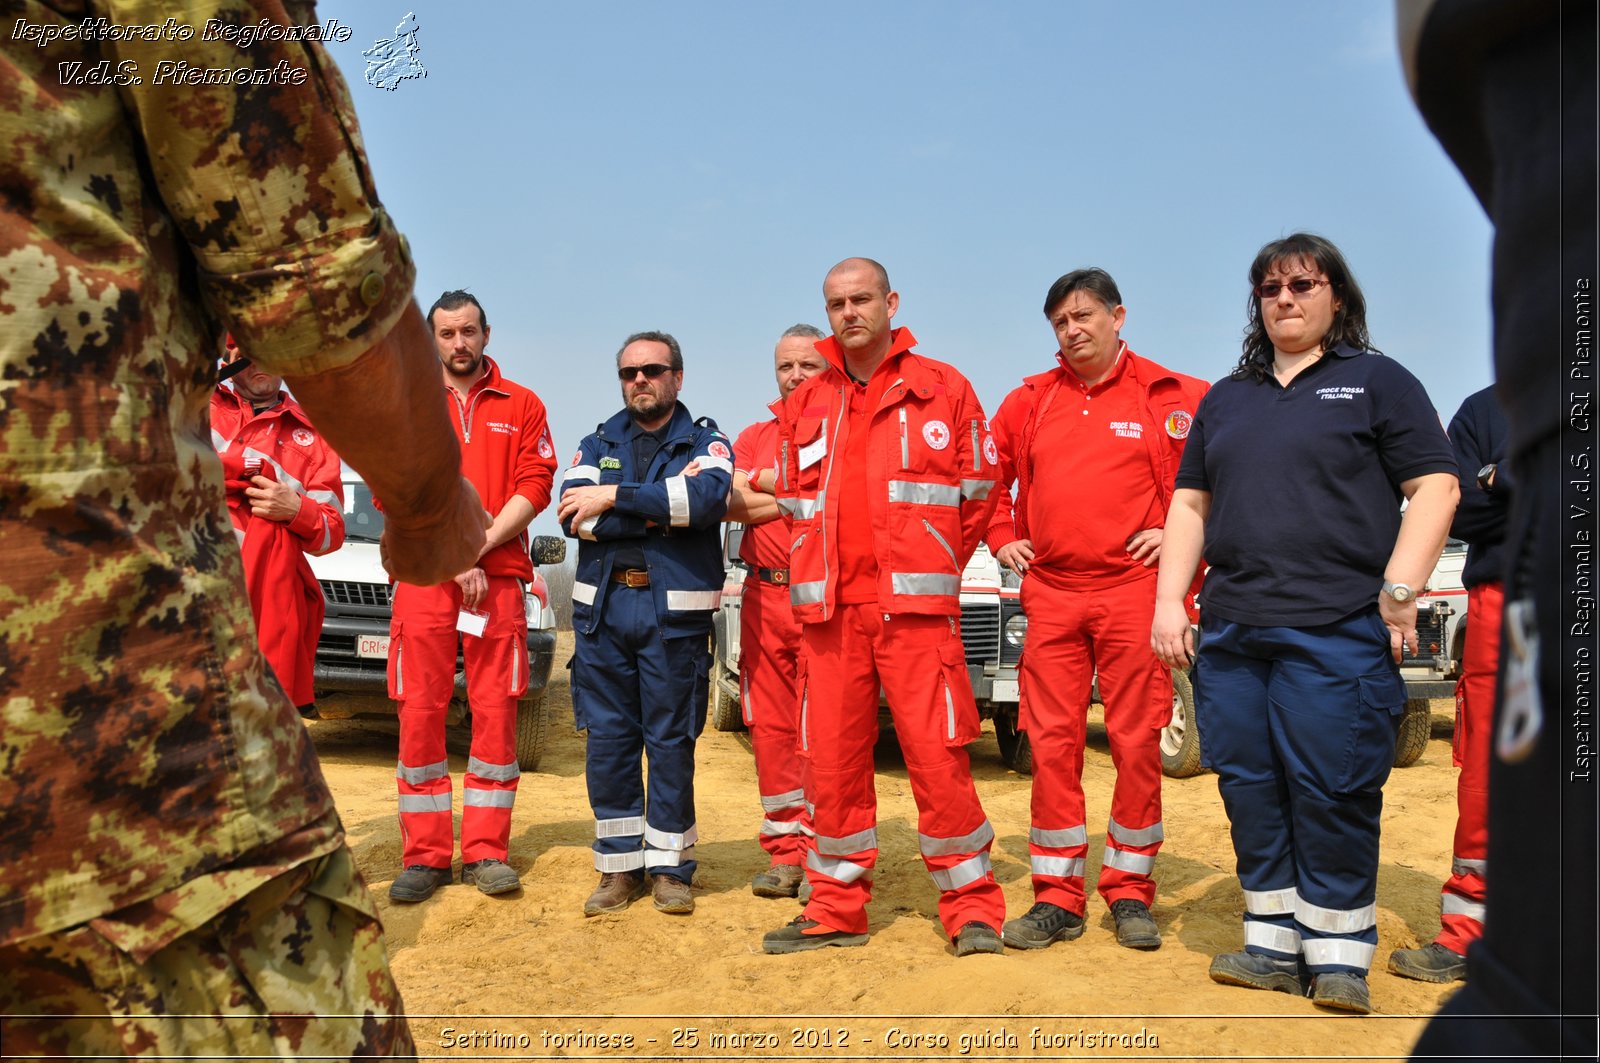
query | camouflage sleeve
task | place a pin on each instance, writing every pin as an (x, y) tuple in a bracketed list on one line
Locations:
[(269, 189)]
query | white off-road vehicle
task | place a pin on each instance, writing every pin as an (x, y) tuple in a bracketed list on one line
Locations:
[(352, 655)]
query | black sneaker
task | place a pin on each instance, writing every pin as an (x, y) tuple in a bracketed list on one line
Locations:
[(1135, 928), (793, 937), (417, 883), (491, 876), (1044, 925), (1431, 963), (977, 937), (1343, 991), (1257, 972)]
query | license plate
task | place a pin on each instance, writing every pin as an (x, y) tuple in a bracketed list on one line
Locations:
[(375, 646)]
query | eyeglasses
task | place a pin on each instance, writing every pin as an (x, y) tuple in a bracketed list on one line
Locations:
[(1299, 286), (627, 373)]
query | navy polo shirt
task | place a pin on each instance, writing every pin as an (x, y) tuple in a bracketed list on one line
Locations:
[(1304, 483)]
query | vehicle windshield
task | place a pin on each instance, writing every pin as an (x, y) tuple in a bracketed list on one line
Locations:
[(363, 521)]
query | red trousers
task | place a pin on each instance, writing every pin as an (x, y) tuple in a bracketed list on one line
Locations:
[(769, 652), (1071, 635), (1461, 906), (422, 669), (921, 665)]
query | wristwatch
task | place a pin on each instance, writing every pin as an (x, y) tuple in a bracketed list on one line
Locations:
[(1400, 592), (1485, 476)]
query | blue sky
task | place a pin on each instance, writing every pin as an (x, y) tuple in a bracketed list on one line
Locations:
[(592, 169)]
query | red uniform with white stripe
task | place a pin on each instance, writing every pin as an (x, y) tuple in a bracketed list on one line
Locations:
[(1111, 452), (1465, 891), (890, 489), (506, 450), (769, 652), (284, 595)]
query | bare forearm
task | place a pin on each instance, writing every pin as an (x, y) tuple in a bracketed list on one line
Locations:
[(751, 507), (510, 522), (1183, 538), (1423, 528)]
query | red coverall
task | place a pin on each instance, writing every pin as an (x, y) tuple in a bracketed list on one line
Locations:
[(890, 489), (284, 595), (769, 653), (505, 450), (1111, 452), (1463, 896)]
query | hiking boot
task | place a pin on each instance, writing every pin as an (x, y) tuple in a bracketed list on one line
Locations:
[(1431, 963), (1135, 928), (1256, 972), (1343, 990), (779, 880), (417, 883), (672, 895), (803, 935), (977, 937), (804, 892), (1044, 925), (491, 876), (616, 891)]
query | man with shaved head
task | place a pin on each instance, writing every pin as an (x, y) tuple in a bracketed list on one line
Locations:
[(886, 466)]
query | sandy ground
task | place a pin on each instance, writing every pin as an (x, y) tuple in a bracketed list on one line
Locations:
[(528, 977)]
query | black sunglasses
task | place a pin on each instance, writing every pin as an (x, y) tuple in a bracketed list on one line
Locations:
[(627, 373)]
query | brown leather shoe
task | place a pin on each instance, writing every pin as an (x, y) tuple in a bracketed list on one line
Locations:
[(779, 880), (616, 891), (672, 895)]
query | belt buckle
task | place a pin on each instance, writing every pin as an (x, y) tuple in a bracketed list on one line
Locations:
[(780, 577), (635, 578)]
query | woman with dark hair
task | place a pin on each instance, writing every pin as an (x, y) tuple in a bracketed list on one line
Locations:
[(1291, 486)]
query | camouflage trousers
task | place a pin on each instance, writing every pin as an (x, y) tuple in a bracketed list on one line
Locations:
[(296, 969)]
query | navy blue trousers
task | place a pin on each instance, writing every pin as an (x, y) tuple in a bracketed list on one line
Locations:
[(639, 693), (1300, 725)]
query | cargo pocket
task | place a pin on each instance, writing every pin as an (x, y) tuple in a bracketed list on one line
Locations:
[(960, 707), (1370, 753), (517, 657), (702, 689), (802, 679), (580, 718)]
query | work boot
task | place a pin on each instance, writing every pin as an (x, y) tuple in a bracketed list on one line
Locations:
[(491, 876), (803, 935), (1256, 972), (779, 880), (417, 883), (1135, 928), (1431, 963), (1044, 925), (616, 891), (977, 937), (1343, 990), (804, 892), (672, 895)]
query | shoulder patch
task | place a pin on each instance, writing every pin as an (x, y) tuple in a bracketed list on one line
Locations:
[(545, 449), (719, 449), (577, 459)]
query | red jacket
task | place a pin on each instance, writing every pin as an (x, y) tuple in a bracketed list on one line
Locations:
[(931, 469), (505, 450), (284, 437)]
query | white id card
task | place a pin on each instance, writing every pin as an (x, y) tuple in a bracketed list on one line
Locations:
[(471, 623), (810, 455)]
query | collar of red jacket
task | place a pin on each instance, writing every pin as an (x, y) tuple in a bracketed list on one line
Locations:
[(286, 406), (900, 341), (489, 381)]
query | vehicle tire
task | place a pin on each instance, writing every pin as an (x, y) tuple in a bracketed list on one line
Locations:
[(1180, 738), (1416, 727), (533, 720), (1015, 749), (725, 714)]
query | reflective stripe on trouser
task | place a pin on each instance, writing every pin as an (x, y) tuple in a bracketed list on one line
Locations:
[(844, 660), (769, 648), (1070, 633), (422, 669), (1464, 893), (295, 969), (640, 695), (1300, 726)]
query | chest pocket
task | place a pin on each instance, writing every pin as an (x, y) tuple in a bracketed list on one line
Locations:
[(929, 436), (809, 446)]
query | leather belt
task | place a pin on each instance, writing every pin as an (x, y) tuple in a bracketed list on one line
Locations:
[(631, 577), (779, 576)]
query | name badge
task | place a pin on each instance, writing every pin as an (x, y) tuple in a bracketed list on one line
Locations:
[(473, 623), (810, 455)]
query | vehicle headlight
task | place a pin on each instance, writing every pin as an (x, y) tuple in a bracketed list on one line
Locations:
[(1016, 629)]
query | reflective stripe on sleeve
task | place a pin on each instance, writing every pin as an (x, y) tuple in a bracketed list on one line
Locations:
[(708, 461), (1334, 920), (1129, 837), (970, 870), (677, 501), (972, 490), (807, 593), (327, 498), (1059, 839), (584, 592), (585, 528), (424, 773), (581, 472)]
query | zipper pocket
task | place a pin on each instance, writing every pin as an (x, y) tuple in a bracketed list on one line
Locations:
[(949, 712), (905, 443), (797, 543), (977, 452), (783, 465), (941, 541)]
